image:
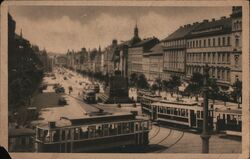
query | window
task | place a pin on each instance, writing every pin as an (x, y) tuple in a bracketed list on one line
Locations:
[(228, 41), (219, 41), (213, 41), (205, 42), (223, 41), (237, 41), (228, 58), (199, 43), (196, 43), (208, 42), (213, 58), (236, 59)]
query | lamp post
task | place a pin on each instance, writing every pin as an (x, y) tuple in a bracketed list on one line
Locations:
[(205, 134)]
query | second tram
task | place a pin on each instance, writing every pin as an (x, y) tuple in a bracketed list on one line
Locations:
[(93, 133)]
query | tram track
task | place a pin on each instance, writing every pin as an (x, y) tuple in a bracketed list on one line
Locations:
[(171, 145), (169, 133), (157, 132)]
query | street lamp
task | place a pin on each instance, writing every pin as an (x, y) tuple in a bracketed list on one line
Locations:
[(205, 134)]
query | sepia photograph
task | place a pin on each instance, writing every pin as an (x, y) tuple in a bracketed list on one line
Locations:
[(125, 79)]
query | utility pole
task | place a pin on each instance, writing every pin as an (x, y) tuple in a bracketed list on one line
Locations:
[(205, 132)]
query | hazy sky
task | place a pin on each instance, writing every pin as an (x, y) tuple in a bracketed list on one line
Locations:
[(72, 27)]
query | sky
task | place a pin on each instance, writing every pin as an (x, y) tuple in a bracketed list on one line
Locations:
[(59, 28)]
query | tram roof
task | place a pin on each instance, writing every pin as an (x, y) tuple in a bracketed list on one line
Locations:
[(229, 111), (177, 105), (17, 132), (89, 120), (182, 102)]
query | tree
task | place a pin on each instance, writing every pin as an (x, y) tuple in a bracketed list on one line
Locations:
[(213, 89), (154, 87), (195, 85), (142, 82)]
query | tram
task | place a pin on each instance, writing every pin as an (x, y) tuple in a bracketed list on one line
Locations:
[(93, 133), (141, 93), (176, 113), (89, 96), (229, 121)]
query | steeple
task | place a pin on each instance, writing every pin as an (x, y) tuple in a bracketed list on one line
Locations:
[(136, 31), (136, 37)]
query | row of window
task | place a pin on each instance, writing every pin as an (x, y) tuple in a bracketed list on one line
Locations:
[(174, 43), (210, 57), (209, 42), (221, 74)]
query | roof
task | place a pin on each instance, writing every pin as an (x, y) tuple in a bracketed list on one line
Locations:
[(16, 132), (145, 42), (156, 50), (220, 26), (181, 32), (229, 111)]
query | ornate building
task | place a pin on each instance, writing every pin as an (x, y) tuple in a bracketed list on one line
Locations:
[(217, 43)]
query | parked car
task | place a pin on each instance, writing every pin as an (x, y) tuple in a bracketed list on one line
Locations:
[(60, 90)]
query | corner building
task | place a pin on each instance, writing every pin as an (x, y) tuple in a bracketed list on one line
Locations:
[(218, 44)]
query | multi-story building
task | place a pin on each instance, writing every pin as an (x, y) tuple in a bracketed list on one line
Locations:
[(135, 55), (175, 51), (236, 59), (153, 63), (218, 44)]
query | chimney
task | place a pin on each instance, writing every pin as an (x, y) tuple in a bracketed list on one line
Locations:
[(114, 42), (213, 19), (205, 20)]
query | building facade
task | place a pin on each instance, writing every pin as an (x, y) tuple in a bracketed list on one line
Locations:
[(153, 63), (218, 44), (174, 59), (136, 58)]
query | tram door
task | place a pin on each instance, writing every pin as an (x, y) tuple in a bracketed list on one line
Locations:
[(154, 113), (192, 118)]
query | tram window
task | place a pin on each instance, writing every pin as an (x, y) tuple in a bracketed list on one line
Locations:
[(105, 130), (171, 111), (164, 110), (55, 135), (131, 127), (239, 117), (83, 132), (198, 114), (168, 110), (98, 131), (63, 134), (175, 111), (91, 131), (77, 133), (183, 112), (119, 128)]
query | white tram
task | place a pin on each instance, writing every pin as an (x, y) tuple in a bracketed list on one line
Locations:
[(93, 133)]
